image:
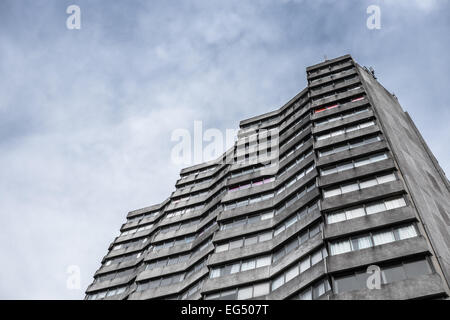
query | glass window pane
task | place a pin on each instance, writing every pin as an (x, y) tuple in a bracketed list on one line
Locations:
[(222, 247), (361, 243), (306, 295), (318, 290), (303, 237), (268, 215), (386, 178), (362, 162), (316, 257), (291, 245), (395, 203), (331, 192), (407, 232), (378, 157), (278, 255), (235, 268), (337, 132), (361, 280), (345, 284), (279, 230), (261, 289), (325, 172), (291, 221), (305, 264), (340, 148), (245, 293), (368, 183), (264, 261), (292, 273), (393, 274), (253, 219), (349, 187), (314, 230), (355, 213), (375, 208), (265, 236), (215, 272), (248, 265), (228, 295), (345, 166), (417, 268), (251, 240), (336, 217), (236, 244), (278, 282), (352, 128), (339, 247), (383, 237)]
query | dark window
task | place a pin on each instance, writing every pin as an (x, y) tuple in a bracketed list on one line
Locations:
[(417, 268), (394, 273)]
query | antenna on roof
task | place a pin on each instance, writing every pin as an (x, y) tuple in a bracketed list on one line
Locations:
[(372, 71)]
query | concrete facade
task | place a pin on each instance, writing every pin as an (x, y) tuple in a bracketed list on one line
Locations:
[(344, 182)]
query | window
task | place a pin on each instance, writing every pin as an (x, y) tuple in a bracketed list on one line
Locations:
[(251, 240), (349, 187), (264, 261), (265, 236), (331, 193), (373, 239), (278, 282), (337, 132), (346, 283), (386, 178), (395, 203), (316, 257), (353, 164), (215, 272), (383, 237), (393, 274), (292, 273), (235, 268), (228, 295), (221, 248), (236, 244), (416, 268), (339, 247), (245, 293), (368, 183), (375, 208), (305, 264), (407, 232), (348, 145), (361, 243), (261, 289), (336, 217), (354, 213), (315, 291), (248, 265)]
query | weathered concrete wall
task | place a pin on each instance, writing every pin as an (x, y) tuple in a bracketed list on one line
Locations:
[(424, 178)]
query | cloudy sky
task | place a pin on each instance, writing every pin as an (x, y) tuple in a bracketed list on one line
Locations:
[(86, 115)]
